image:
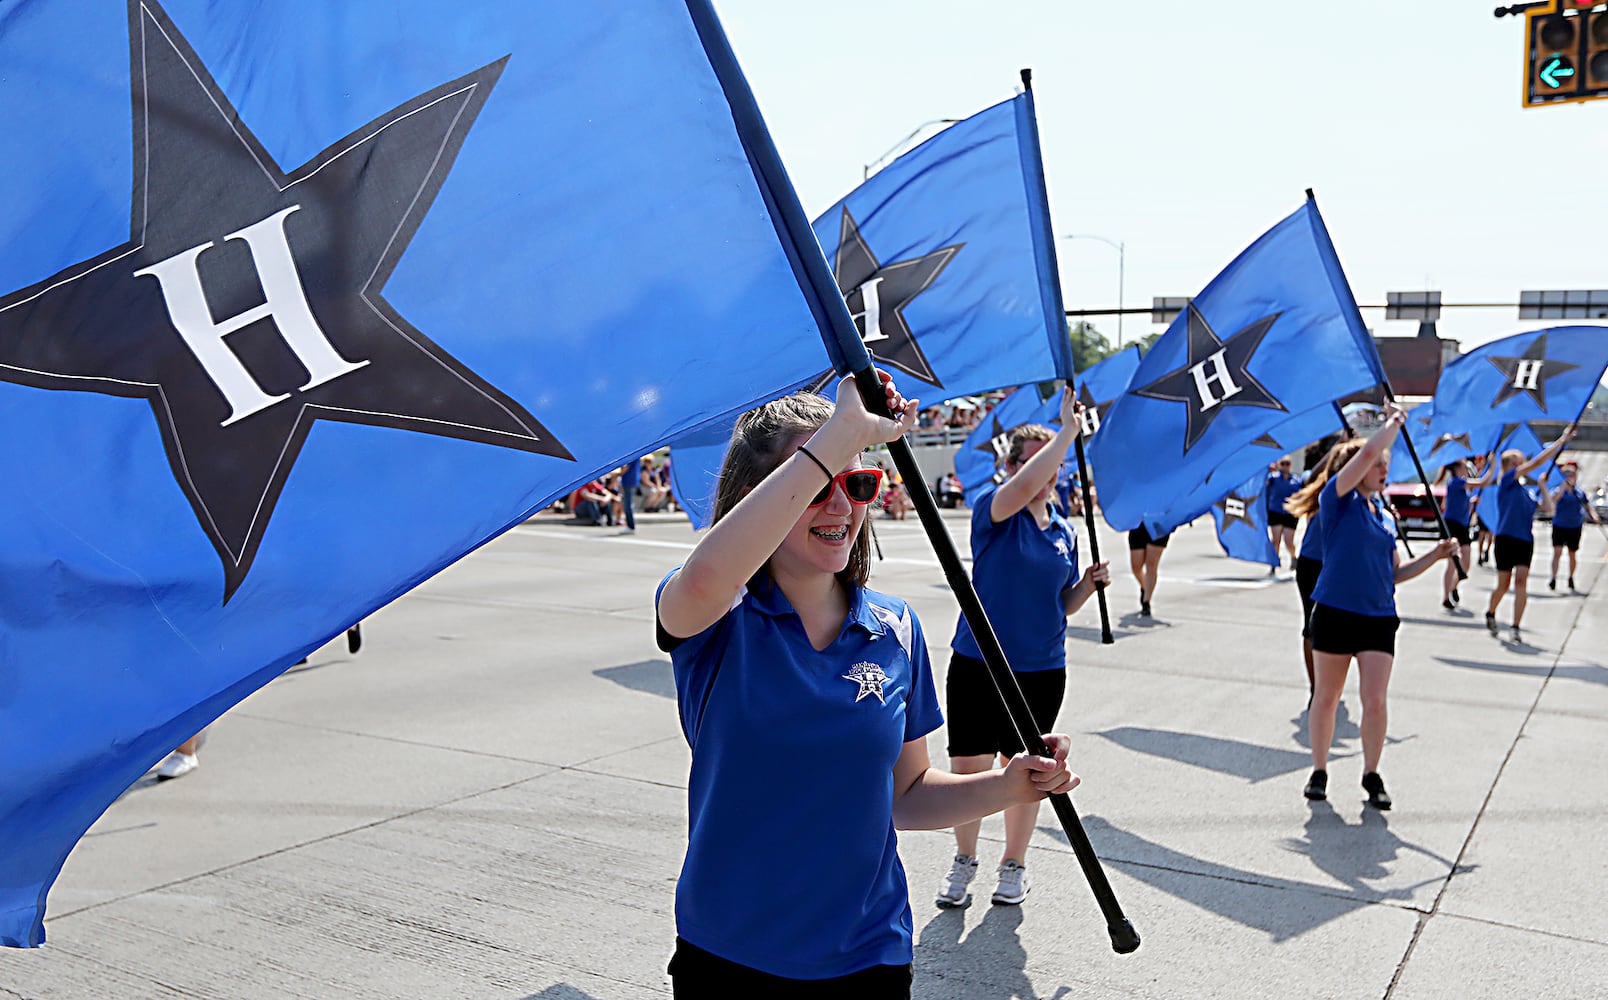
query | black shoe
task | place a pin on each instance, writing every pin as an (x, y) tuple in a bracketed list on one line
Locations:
[(1448, 605), (1374, 785), (1144, 610), (1552, 584), (1484, 559), (354, 638), (1571, 583), (1517, 637), (1490, 622), (1317, 788), (1456, 598)]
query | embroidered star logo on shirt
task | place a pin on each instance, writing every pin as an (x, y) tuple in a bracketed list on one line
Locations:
[(870, 677), (1062, 547)]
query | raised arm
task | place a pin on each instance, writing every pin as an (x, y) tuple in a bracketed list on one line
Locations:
[(1016, 491), (1493, 466), (1548, 453), (1376, 448), (734, 549)]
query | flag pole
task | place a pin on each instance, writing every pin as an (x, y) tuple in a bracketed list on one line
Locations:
[(1106, 637), (842, 341), (1412, 450)]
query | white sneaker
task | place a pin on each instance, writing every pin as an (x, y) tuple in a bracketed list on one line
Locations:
[(1013, 884), (953, 890), (177, 765)]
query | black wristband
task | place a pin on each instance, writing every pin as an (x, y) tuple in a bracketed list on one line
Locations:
[(809, 455)]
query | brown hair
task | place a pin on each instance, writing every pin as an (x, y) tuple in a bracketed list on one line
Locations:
[(1023, 434), (1305, 501), (1446, 470), (758, 446)]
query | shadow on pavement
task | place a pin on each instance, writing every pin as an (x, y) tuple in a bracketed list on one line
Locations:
[(990, 961), (1344, 728), (1245, 760), (1590, 673), (1352, 855), (648, 676)]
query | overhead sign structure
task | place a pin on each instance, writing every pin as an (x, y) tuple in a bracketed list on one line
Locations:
[(1566, 52)]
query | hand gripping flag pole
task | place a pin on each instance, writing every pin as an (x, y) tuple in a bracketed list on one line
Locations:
[(1390, 394), (849, 355)]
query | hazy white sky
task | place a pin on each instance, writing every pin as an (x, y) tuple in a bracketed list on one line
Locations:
[(1183, 129)]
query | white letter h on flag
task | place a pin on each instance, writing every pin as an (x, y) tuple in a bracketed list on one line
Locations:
[(283, 300)]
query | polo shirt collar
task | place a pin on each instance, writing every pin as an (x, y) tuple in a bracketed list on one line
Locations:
[(766, 597)]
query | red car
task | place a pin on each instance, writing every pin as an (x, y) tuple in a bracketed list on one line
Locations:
[(1413, 509)]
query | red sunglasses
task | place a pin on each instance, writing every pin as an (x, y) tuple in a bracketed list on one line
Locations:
[(861, 486)]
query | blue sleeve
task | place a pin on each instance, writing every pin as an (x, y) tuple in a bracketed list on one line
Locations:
[(692, 660), (982, 524), (922, 714)]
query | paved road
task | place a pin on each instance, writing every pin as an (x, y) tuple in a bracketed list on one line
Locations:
[(489, 802)]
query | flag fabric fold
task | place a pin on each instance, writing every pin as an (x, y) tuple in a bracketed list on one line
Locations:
[(1275, 336), (370, 284)]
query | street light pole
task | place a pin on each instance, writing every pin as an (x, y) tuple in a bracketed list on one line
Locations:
[(1122, 261), (902, 142)]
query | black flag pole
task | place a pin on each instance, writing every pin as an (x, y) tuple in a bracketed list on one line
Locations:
[(1106, 637), (1390, 396), (842, 341)]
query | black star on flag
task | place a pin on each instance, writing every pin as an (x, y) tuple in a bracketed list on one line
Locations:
[(247, 303), (1238, 508), (1216, 375), (1528, 373), (999, 439), (1450, 438), (877, 294)]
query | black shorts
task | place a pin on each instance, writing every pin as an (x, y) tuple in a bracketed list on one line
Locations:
[(1513, 552), (698, 973), (1566, 538), (1281, 519), (978, 723), (1348, 633), (1139, 537), (1460, 532), (1306, 578)]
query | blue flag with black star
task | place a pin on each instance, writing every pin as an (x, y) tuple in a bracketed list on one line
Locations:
[(1195, 499), (943, 261), (1276, 334), (1540, 375), (981, 458), (299, 303), (1437, 444), (1241, 520)]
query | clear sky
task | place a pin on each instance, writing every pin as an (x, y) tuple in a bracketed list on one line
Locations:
[(1183, 129)]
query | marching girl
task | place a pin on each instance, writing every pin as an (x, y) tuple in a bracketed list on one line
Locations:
[(806, 699), (1025, 570), (1354, 603), (1309, 561), (1144, 559), (1570, 508), (1455, 512), (1281, 486), (1515, 536)]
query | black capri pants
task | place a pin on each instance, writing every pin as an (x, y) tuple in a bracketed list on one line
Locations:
[(978, 722)]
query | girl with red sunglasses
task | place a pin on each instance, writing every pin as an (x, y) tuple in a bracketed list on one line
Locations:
[(806, 699)]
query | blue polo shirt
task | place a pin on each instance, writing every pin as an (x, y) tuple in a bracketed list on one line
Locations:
[(1571, 509), (1312, 539), (1515, 506), (1456, 508), (1020, 571), (1359, 545), (792, 865), (1279, 489)]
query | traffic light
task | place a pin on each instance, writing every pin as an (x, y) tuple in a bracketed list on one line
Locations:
[(1566, 52)]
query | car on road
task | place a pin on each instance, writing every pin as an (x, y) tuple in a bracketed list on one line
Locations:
[(1413, 510)]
